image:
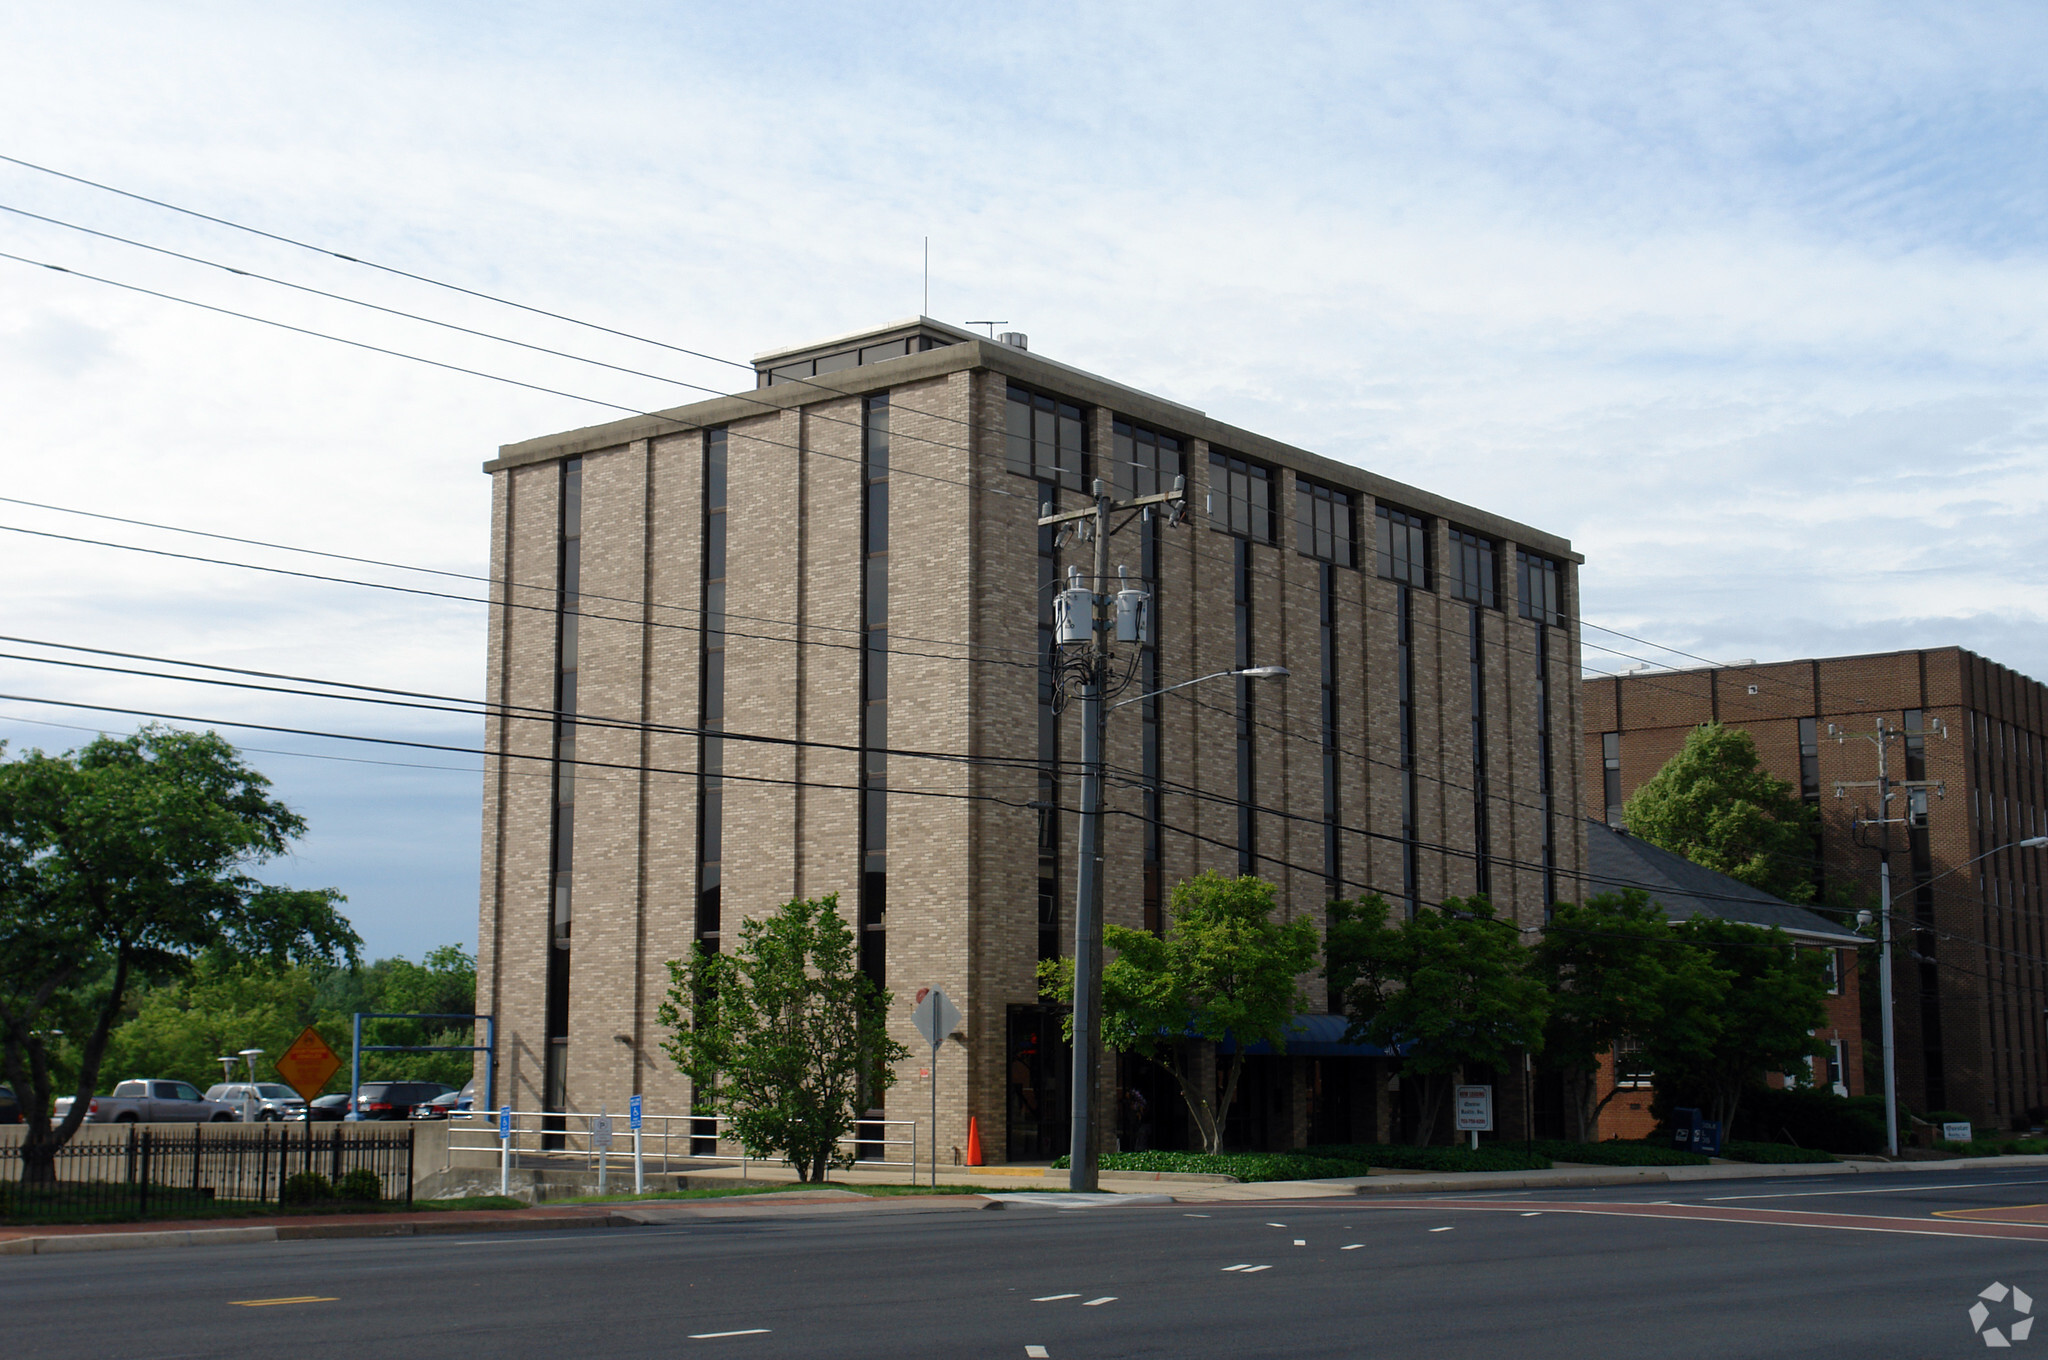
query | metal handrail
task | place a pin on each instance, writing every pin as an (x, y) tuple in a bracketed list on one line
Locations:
[(530, 1129)]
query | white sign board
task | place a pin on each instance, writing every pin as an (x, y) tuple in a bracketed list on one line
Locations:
[(1955, 1133), (601, 1132), (1475, 1109), (935, 1017)]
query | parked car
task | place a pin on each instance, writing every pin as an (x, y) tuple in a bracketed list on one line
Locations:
[(272, 1100), (151, 1102), (10, 1108), (395, 1099), (440, 1107), (324, 1110)]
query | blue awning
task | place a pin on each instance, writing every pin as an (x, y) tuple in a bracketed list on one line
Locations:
[(1313, 1036)]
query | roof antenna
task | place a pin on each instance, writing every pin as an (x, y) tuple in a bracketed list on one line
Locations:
[(927, 311), (991, 326)]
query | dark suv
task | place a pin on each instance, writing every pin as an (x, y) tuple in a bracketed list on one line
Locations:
[(395, 1099)]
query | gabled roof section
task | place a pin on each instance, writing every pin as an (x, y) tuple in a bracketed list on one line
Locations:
[(1617, 861)]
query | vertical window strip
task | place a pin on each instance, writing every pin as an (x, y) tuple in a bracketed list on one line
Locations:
[(1048, 736), (1045, 438), (1926, 946), (874, 690), (1546, 778), (562, 839), (1148, 709), (1323, 522), (1610, 775), (1482, 839), (711, 696), (1404, 666), (1143, 462), (1401, 544), (1539, 588), (1245, 492), (1333, 875), (1475, 570), (1247, 824)]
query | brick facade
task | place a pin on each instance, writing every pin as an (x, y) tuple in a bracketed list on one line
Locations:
[(1970, 1009), (963, 691)]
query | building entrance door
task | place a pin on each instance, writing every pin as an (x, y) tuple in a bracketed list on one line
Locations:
[(1040, 1067)]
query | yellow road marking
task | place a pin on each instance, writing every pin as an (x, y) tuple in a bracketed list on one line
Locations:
[(271, 1303), (2000, 1209)]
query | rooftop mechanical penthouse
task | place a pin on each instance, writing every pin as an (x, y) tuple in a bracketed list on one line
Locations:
[(797, 641)]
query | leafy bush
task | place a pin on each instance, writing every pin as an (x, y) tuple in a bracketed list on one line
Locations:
[(1400, 1157), (1617, 1152), (2024, 1147), (1245, 1166), (1813, 1118), (361, 1184), (1981, 1147), (306, 1187), (1774, 1154)]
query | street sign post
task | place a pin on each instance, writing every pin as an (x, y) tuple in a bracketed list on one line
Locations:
[(1475, 1111), (601, 1143), (639, 1174), (307, 1066), (504, 1149), (935, 1016)]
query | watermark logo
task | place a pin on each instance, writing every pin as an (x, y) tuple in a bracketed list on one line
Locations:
[(2017, 1327)]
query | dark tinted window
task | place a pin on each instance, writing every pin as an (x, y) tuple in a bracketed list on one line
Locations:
[(1474, 573), (1241, 497), (1322, 519), (1402, 543)]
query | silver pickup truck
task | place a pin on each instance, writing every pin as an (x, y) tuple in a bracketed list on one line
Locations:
[(151, 1102)]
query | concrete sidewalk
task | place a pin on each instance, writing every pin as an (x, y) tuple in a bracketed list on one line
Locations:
[(1571, 1177)]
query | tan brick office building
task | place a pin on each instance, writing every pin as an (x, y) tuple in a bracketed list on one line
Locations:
[(1970, 986), (796, 639)]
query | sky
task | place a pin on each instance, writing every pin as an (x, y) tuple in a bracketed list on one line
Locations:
[(1746, 300)]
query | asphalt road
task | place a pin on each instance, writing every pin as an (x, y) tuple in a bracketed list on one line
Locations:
[(1827, 1268)]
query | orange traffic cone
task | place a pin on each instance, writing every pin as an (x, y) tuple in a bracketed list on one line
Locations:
[(973, 1142)]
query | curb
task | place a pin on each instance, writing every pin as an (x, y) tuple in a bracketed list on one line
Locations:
[(298, 1232)]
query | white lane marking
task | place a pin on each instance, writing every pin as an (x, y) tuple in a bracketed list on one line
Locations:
[(1276, 1225), (1538, 1213), (1300, 1241), (1094, 1303), (1885, 1190), (1253, 1270), (1439, 1229), (1353, 1247), (1241, 1265), (1194, 1215), (1035, 1352), (1054, 1298), (713, 1336)]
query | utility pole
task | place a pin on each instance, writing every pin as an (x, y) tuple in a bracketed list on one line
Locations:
[(1083, 655), (1887, 787)]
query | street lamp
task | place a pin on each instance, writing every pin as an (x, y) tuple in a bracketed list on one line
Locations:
[(249, 1056), (1884, 967)]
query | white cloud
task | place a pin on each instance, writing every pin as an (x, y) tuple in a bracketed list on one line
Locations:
[(1745, 300)]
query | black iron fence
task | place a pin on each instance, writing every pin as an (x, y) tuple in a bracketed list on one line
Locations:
[(156, 1172)]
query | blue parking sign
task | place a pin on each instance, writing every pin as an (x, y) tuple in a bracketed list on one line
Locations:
[(504, 1121), (633, 1114)]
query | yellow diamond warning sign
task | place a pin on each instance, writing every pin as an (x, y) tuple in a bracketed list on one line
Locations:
[(308, 1064)]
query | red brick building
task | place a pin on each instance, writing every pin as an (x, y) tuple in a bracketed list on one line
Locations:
[(1970, 965), (1616, 860)]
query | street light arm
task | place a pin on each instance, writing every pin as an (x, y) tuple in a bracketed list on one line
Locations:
[(2030, 843), (1254, 672)]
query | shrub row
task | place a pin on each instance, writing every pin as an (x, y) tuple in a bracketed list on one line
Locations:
[(1774, 1154), (1991, 1147), (310, 1187), (1244, 1166), (1617, 1152), (1398, 1157)]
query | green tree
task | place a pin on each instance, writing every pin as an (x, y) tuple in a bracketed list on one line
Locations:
[(180, 1028), (1450, 989), (1715, 804), (1224, 967), (1776, 997), (122, 861), (1617, 974), (784, 1036), (443, 983)]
